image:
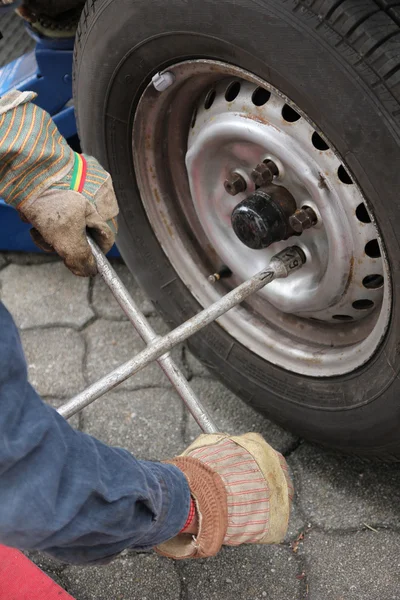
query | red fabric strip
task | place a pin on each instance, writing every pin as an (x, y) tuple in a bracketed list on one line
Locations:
[(21, 579), (83, 176)]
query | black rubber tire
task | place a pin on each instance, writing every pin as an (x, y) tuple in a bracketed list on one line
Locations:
[(339, 61)]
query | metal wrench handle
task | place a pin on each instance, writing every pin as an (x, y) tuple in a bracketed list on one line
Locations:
[(147, 334), (282, 264)]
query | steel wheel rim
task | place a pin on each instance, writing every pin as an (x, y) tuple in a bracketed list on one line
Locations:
[(169, 191)]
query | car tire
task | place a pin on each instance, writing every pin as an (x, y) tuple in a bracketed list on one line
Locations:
[(339, 62)]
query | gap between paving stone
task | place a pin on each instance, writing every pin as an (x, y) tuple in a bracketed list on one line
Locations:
[(105, 305), (54, 357), (45, 295), (146, 422), (111, 343), (363, 565), (234, 416), (248, 572), (342, 492), (133, 577)]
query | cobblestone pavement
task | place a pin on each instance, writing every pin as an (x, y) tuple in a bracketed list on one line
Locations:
[(344, 537)]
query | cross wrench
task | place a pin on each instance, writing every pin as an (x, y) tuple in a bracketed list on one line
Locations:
[(281, 265)]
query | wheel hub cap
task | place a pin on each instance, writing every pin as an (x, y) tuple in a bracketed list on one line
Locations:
[(215, 120)]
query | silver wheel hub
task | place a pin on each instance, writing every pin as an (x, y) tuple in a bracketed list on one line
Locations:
[(324, 320)]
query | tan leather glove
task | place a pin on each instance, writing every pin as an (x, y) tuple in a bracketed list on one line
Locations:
[(242, 492), (62, 193)]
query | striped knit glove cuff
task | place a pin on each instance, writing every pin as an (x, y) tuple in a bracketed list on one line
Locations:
[(255, 497), (61, 193), (33, 153)]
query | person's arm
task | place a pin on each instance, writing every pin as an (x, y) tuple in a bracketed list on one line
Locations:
[(66, 493), (63, 491)]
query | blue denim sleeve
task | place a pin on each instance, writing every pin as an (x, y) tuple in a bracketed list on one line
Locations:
[(66, 493)]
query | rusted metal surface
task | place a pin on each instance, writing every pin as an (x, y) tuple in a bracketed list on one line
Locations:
[(291, 322)]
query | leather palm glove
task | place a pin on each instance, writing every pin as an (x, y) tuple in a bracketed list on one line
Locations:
[(241, 490), (60, 192)]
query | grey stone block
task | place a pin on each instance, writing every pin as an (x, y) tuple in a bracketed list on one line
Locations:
[(232, 415), (194, 366), (146, 422), (45, 294), (74, 421), (247, 573), (111, 343), (44, 561), (31, 258), (140, 577), (52, 567), (3, 261), (16, 40), (297, 523), (353, 566), (54, 358), (104, 303), (343, 492)]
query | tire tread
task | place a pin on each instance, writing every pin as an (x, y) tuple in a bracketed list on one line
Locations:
[(371, 28)]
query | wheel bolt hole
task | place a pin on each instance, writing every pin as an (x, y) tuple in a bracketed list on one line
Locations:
[(289, 114), (260, 96), (373, 282), (344, 176), (362, 213), (208, 102), (342, 317), (232, 91), (318, 142), (363, 304), (372, 249)]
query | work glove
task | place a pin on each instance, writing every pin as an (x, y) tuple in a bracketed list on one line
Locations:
[(61, 193), (242, 494)]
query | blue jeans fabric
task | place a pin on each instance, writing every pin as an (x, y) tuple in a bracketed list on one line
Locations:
[(66, 493)]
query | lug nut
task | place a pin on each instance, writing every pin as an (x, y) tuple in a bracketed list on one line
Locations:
[(302, 219), (235, 184), (264, 173)]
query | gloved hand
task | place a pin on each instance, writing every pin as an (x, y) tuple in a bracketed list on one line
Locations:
[(60, 192), (242, 493)]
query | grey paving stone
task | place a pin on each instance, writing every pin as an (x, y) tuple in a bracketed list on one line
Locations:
[(74, 421), (195, 367), (54, 358), (44, 561), (146, 422), (45, 294), (248, 573), (3, 261), (297, 522), (31, 258), (52, 567), (111, 343), (343, 492), (233, 416), (16, 40), (140, 577), (355, 566), (104, 303)]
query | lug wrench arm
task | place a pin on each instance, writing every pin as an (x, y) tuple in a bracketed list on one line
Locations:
[(282, 264)]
